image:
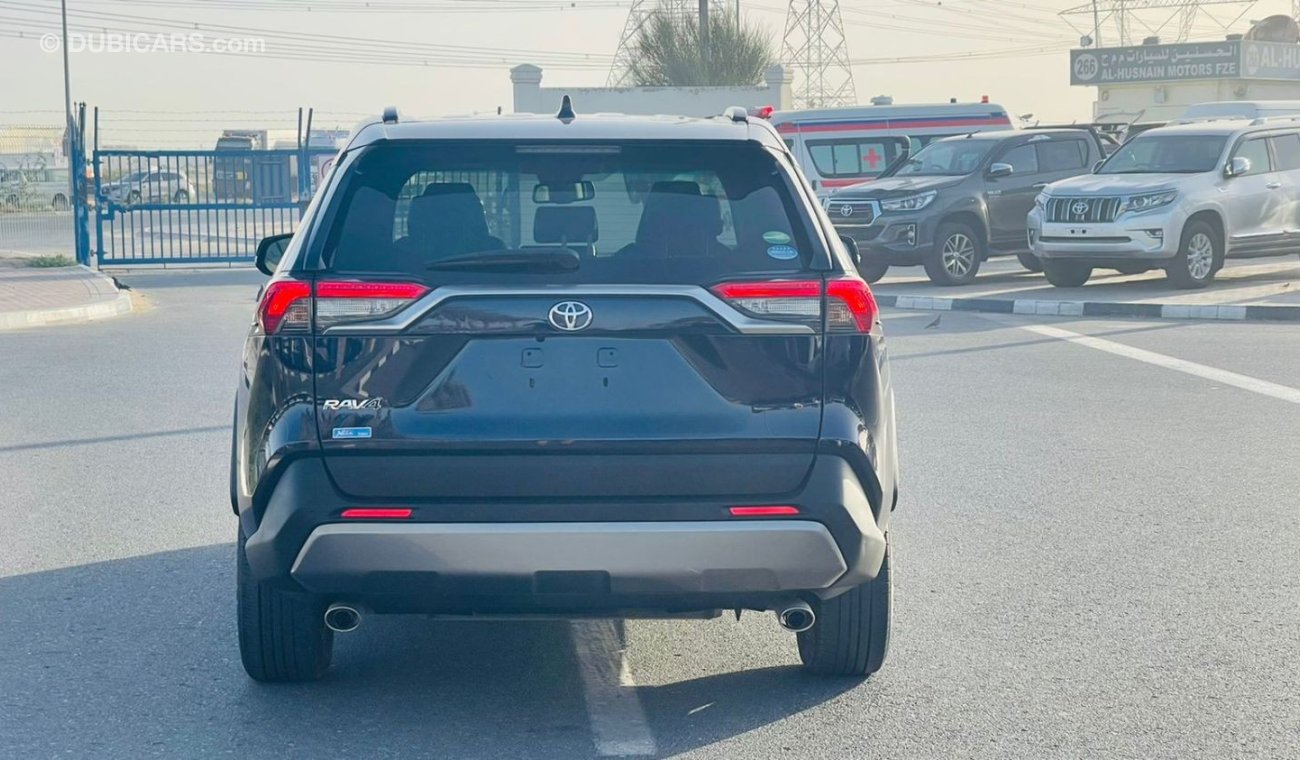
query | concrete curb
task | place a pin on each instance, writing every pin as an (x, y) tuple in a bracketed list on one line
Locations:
[(17, 320), (1234, 312)]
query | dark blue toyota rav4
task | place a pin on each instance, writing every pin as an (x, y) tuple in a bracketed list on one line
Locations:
[(563, 366)]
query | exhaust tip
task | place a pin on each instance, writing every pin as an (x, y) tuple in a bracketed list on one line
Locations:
[(341, 618), (797, 617)]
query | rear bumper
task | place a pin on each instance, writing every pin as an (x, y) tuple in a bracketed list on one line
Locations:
[(625, 558), (569, 555)]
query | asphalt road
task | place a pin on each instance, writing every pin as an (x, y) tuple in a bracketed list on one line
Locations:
[(1098, 556)]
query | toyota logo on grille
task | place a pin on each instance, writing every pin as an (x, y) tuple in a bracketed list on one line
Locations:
[(570, 316), (1079, 208), (846, 210)]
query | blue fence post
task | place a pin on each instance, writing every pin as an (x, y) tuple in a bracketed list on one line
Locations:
[(77, 167)]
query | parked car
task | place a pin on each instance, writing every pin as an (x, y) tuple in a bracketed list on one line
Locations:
[(37, 189), (155, 186), (590, 365), (838, 147), (1179, 198), (958, 201)]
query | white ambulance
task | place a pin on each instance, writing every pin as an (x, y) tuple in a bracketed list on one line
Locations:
[(837, 147)]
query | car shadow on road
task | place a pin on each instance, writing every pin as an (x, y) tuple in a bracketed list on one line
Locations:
[(138, 657), (690, 714)]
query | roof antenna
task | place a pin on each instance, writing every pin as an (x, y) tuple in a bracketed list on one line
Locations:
[(566, 113)]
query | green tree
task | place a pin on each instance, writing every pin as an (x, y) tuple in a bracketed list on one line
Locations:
[(669, 52)]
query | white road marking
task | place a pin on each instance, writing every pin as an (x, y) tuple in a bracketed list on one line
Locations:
[(1244, 382), (617, 723)]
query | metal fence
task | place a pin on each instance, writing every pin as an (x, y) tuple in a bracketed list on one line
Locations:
[(198, 206), (35, 213)]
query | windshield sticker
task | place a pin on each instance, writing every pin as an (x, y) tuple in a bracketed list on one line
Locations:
[(776, 237), (782, 252), (352, 432)]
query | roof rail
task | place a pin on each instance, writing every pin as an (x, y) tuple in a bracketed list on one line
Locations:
[(1270, 119), (390, 115), (738, 114), (1207, 119)]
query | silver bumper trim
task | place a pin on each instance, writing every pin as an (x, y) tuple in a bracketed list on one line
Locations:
[(640, 557)]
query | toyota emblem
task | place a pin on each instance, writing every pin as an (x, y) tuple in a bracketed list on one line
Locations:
[(846, 210), (570, 316), (1079, 208)]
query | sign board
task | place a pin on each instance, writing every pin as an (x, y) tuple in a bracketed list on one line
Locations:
[(1270, 60), (1185, 62), (1157, 63)]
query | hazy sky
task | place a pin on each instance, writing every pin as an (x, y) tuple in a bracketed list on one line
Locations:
[(469, 45)]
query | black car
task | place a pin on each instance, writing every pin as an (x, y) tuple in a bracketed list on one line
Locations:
[(574, 366), (958, 201)]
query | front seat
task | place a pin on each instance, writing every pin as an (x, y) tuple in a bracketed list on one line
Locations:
[(679, 221), (447, 220)]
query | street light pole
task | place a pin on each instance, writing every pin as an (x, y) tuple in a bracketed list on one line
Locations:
[(67, 110)]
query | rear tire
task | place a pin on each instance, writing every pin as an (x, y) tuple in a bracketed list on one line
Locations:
[(872, 271), (955, 259), (282, 635), (1199, 257), (851, 635), (1030, 261), (1066, 274)]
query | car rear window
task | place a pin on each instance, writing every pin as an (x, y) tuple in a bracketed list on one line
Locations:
[(642, 212)]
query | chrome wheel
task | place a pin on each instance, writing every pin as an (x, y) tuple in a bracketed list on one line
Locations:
[(1200, 256), (958, 255)]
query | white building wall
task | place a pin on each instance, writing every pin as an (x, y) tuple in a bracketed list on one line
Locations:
[(1164, 101), (531, 97)]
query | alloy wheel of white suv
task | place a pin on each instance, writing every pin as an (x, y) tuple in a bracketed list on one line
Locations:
[(1198, 257)]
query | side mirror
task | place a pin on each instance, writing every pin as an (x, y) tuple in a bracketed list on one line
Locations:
[(1237, 167), (1001, 170), (851, 246), (270, 251)]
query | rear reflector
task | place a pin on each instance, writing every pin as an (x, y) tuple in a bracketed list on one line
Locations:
[(850, 305), (287, 305), (386, 513), (773, 511)]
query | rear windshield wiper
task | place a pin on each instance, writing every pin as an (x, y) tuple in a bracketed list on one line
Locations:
[(556, 259)]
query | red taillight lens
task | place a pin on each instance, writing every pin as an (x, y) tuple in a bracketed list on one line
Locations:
[(338, 302), (287, 304), (384, 513), (850, 305), (768, 511)]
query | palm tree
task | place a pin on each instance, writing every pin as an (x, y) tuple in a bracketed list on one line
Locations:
[(669, 52)]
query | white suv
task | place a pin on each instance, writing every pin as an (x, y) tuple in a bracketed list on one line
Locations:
[(1179, 198)]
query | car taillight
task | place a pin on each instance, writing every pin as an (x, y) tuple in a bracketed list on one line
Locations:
[(287, 305), (338, 302), (850, 307)]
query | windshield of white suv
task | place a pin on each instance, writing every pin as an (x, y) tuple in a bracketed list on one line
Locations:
[(1167, 154), (951, 158), (652, 212)]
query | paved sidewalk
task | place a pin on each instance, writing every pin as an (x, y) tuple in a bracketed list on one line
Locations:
[(37, 297), (1265, 289)]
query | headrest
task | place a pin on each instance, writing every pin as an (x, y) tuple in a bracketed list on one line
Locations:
[(677, 214), (676, 187), (449, 188), (565, 224)]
